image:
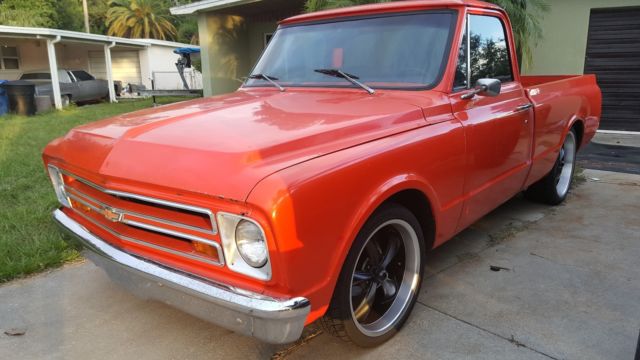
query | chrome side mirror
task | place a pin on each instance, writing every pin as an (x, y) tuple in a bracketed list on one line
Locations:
[(485, 87)]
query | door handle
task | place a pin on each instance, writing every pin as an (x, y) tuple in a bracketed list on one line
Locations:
[(523, 107)]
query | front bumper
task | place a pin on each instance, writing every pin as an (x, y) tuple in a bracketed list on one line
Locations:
[(268, 319)]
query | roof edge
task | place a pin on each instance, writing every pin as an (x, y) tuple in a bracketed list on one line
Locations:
[(196, 7), (409, 5), (75, 35)]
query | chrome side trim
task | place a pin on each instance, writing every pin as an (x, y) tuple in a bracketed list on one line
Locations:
[(204, 211), (272, 320), (220, 261)]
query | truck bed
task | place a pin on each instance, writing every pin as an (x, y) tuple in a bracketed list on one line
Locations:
[(560, 100)]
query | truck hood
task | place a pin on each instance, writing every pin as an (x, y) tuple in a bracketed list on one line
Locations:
[(223, 146)]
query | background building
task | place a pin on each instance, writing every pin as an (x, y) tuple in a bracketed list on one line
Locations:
[(132, 61)]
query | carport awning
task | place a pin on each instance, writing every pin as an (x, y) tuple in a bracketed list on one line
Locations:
[(43, 33), (54, 36)]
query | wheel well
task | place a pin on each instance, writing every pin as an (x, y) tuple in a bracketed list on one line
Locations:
[(416, 202), (578, 126)]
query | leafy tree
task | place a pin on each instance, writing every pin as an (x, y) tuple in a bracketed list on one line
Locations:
[(525, 18), (140, 19), (188, 31), (57, 14), (35, 13), (69, 15), (524, 15), (98, 16)]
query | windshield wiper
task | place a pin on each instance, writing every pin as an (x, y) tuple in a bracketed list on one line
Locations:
[(349, 77), (268, 78)]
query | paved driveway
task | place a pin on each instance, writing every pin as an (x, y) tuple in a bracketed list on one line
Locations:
[(570, 289)]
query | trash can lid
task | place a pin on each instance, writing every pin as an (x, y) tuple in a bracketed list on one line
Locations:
[(18, 83)]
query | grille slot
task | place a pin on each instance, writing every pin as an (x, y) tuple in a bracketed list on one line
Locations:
[(171, 227)]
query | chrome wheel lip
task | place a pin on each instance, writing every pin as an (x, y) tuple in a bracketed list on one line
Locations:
[(567, 162), (406, 290)]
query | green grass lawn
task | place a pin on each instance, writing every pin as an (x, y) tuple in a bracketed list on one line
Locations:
[(29, 240)]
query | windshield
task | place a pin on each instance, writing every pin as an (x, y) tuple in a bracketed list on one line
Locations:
[(394, 51)]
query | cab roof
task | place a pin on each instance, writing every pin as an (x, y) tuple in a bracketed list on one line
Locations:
[(393, 6)]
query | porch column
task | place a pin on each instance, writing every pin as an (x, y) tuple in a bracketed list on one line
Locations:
[(107, 61), (53, 67)]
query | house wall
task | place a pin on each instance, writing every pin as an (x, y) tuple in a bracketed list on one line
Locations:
[(566, 27), (225, 52), (32, 54), (71, 56), (162, 61), (256, 38)]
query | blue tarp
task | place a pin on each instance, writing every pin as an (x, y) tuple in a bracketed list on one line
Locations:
[(186, 50), (4, 100)]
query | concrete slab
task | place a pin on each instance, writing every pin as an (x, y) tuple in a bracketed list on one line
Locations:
[(573, 288), (427, 335), (78, 313), (571, 292), (617, 138)]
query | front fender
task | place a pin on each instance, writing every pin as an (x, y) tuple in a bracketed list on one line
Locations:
[(315, 209)]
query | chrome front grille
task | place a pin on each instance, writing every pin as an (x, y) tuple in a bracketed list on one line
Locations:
[(169, 227)]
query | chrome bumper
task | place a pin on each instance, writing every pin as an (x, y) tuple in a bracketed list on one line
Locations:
[(268, 319)]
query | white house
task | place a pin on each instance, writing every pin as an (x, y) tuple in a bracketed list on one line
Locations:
[(132, 61)]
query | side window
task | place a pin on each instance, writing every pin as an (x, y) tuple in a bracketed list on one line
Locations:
[(488, 51), (460, 81), (82, 75), (63, 77)]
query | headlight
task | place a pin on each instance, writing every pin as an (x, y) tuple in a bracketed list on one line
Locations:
[(58, 185), (251, 243), (244, 245)]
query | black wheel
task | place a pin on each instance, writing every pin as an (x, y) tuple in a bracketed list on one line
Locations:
[(554, 187), (380, 279)]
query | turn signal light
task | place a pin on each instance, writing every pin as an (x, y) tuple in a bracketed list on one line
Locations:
[(205, 249)]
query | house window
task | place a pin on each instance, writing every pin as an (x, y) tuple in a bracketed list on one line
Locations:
[(9, 58), (267, 38)]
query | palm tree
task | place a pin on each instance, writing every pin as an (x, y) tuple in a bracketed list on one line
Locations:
[(524, 15), (139, 19)]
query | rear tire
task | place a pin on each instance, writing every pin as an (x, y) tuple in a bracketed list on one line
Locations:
[(380, 279), (554, 187)]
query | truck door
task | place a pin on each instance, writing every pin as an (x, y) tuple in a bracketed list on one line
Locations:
[(498, 129)]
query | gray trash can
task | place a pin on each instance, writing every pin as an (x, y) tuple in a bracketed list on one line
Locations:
[(43, 103)]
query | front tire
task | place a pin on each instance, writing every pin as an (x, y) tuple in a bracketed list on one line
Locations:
[(380, 279), (554, 187)]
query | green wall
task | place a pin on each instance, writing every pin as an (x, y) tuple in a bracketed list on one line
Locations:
[(256, 38), (566, 26), (225, 54), (230, 47)]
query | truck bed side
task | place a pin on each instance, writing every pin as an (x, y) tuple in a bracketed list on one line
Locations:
[(559, 102)]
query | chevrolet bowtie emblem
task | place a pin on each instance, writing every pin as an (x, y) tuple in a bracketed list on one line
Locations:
[(112, 214)]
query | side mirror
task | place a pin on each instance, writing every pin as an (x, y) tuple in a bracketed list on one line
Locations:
[(486, 87)]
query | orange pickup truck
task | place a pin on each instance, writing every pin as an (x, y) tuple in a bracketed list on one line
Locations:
[(364, 137)]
